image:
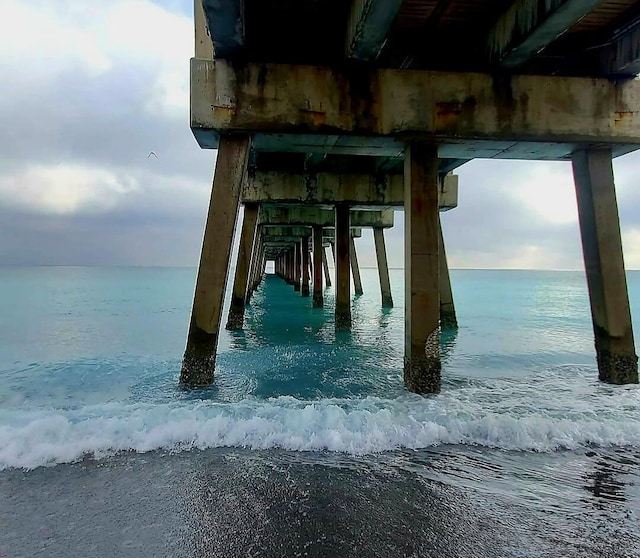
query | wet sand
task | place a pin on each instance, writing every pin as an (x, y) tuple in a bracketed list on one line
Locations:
[(233, 503)]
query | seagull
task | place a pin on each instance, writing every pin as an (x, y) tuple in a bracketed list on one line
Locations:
[(152, 153)]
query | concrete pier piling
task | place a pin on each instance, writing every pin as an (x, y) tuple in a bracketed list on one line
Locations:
[(325, 265), (334, 137), (422, 293), (202, 340), (304, 247), (257, 264), (342, 257), (448, 318), (291, 269), (604, 265), (318, 250), (355, 269), (383, 267), (245, 266), (253, 272), (297, 269)]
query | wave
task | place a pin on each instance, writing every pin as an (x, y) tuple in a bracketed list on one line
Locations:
[(33, 438)]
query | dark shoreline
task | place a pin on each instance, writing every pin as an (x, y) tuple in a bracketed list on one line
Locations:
[(234, 502)]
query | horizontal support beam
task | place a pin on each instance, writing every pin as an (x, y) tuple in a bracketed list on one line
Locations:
[(369, 24), (376, 111), (274, 235), (528, 26), (622, 57), (225, 20), (307, 216), (298, 232), (329, 188)]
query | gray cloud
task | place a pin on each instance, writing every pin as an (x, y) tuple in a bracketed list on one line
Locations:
[(77, 187)]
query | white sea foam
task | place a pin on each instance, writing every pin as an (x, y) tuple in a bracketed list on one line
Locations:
[(33, 438)]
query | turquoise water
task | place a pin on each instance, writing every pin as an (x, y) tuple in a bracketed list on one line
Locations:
[(90, 358)]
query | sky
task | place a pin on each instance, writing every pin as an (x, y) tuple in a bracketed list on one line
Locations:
[(88, 90)]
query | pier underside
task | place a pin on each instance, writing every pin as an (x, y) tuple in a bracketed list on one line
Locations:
[(335, 137)]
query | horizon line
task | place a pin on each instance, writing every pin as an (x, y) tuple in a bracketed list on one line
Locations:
[(142, 266)]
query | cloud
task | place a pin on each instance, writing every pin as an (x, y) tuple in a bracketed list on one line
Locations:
[(64, 189), (89, 89), (39, 43), (96, 84)]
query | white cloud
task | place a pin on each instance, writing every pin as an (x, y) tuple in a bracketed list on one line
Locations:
[(631, 247), (548, 190), (40, 43), (64, 189)]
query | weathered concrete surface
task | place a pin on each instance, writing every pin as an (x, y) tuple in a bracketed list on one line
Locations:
[(288, 259), (244, 266), (341, 256), (297, 270), (325, 265), (604, 265), (258, 263), (304, 247), (622, 57), (277, 240), (422, 293), (372, 111), (528, 26), (225, 20), (448, 318), (318, 250), (203, 43), (368, 27), (200, 354), (448, 198), (329, 188), (383, 268), (355, 269), (308, 216), (278, 233)]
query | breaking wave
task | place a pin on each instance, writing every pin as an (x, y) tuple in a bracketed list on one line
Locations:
[(31, 438)]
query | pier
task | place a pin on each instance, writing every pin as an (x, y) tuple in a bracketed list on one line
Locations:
[(328, 115)]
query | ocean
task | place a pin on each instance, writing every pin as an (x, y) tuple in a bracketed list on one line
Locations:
[(307, 443)]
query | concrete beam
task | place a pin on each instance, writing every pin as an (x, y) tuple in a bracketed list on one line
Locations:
[(301, 216), (329, 188), (247, 251), (325, 265), (622, 57), (271, 239), (355, 268), (383, 268), (604, 266), (448, 318), (369, 24), (341, 256), (225, 20), (202, 340), (373, 111), (203, 44), (295, 233), (304, 247), (422, 366), (318, 251), (330, 234), (528, 26), (312, 160)]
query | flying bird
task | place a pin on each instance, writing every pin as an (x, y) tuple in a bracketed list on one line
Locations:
[(152, 153)]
